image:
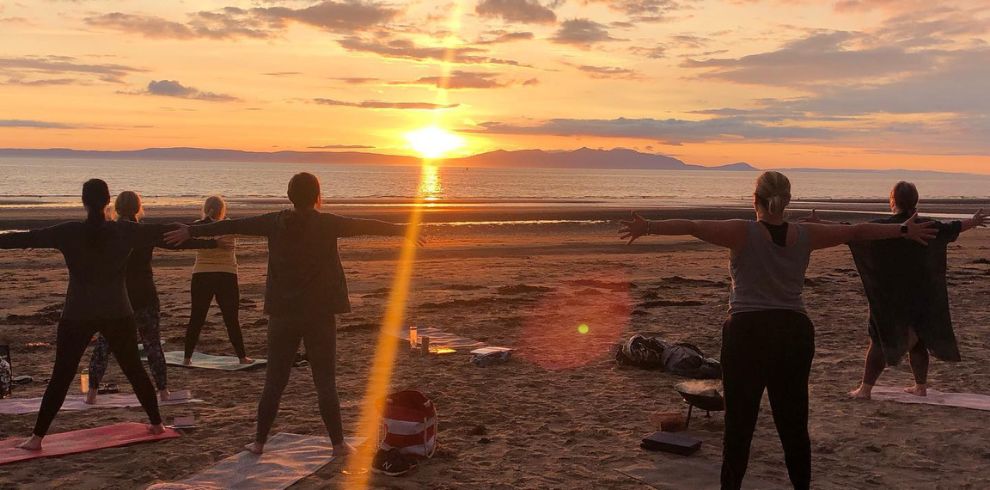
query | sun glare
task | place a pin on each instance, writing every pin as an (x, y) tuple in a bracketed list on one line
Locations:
[(433, 142)]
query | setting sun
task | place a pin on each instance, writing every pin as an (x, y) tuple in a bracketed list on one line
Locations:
[(433, 142)]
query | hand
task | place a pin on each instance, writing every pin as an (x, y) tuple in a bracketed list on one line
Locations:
[(633, 228), (177, 236), (980, 219), (920, 232), (812, 218)]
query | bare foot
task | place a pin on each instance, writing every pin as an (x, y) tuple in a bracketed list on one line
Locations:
[(156, 428), (255, 447), (31, 444), (917, 390), (90, 397), (246, 360), (343, 450), (164, 395), (863, 392), (187, 361)]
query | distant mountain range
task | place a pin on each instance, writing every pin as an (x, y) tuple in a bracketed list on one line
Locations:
[(617, 158)]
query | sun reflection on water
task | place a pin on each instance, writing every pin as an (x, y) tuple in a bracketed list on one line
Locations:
[(430, 186)]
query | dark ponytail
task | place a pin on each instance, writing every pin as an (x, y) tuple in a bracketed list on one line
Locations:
[(96, 198)]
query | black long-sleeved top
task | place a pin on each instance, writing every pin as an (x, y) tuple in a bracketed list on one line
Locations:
[(97, 257), (305, 276), (140, 279), (906, 287)]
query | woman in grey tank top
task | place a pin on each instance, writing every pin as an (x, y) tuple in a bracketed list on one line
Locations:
[(768, 340)]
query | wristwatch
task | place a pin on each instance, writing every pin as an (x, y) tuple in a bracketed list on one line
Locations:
[(904, 229)]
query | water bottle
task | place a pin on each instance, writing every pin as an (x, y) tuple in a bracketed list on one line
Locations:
[(412, 337), (6, 378), (84, 381)]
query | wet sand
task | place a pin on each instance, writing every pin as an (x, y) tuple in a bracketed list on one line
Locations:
[(560, 415)]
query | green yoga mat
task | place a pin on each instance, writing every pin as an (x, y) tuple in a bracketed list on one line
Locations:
[(206, 361)]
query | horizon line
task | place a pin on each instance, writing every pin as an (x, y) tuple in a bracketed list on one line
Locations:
[(362, 151)]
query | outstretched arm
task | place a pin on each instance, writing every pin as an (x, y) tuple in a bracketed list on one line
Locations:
[(263, 225), (980, 219), (827, 236), (348, 227), (724, 233), (42, 238)]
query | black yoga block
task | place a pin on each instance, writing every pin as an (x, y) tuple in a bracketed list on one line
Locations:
[(671, 442)]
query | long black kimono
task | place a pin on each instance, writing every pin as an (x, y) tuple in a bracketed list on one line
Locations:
[(906, 288)]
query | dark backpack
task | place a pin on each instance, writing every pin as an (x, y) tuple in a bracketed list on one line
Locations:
[(680, 359)]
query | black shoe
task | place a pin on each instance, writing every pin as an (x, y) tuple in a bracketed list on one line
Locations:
[(391, 463)]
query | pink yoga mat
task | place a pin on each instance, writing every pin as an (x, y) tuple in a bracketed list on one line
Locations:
[(81, 441)]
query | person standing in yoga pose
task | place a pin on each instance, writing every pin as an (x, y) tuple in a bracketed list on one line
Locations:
[(768, 340), (305, 288), (908, 296), (143, 296), (96, 252), (215, 276)]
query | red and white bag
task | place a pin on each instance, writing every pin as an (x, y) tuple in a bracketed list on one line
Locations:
[(409, 424)]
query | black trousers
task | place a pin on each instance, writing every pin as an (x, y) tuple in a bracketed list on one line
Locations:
[(222, 286), (320, 337), (769, 350), (72, 339)]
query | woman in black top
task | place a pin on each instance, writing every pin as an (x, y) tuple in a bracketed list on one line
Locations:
[(144, 300), (96, 252), (906, 287), (305, 288)]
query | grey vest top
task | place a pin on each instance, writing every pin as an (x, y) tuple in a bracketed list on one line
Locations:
[(766, 276)]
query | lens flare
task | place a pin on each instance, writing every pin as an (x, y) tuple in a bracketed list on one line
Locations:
[(557, 333)]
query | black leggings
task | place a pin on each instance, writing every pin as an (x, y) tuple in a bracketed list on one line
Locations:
[(320, 337), (72, 340), (876, 363), (769, 350), (205, 286)]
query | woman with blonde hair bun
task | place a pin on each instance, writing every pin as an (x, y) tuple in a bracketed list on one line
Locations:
[(143, 295), (215, 276), (768, 340)]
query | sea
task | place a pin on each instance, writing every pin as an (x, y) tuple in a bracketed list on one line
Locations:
[(32, 182)]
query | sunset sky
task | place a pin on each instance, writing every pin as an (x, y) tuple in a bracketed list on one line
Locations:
[(778, 83)]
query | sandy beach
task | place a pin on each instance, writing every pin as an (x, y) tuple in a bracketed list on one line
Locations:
[(560, 414)]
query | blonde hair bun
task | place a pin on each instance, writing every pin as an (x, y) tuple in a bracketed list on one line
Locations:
[(773, 190)]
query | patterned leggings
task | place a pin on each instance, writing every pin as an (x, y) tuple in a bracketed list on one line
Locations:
[(149, 330)]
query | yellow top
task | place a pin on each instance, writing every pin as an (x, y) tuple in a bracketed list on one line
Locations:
[(220, 259)]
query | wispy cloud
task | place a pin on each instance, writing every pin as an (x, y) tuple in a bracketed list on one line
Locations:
[(647, 10), (460, 80), (609, 72), (407, 49), (499, 37), (28, 123), (26, 69), (525, 11), (341, 147), (819, 58), (172, 88), (581, 32), (377, 104), (259, 22)]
